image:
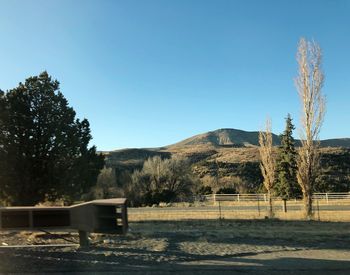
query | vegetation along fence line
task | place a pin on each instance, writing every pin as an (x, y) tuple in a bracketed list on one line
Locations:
[(264, 197)]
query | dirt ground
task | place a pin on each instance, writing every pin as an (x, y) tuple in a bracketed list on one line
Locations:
[(187, 247)]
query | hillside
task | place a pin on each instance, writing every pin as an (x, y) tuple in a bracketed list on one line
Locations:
[(227, 145), (336, 142), (230, 155), (238, 138), (225, 138)]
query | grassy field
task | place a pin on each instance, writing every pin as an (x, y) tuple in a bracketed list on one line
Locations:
[(214, 212), (343, 216)]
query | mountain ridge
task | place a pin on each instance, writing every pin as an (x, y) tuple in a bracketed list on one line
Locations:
[(240, 138), (224, 137), (233, 154), (230, 137)]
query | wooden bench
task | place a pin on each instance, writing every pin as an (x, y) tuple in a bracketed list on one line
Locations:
[(98, 216)]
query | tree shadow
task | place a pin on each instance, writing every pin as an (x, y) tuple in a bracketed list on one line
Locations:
[(307, 234), (105, 257)]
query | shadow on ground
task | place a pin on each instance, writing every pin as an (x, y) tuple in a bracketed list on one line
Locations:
[(187, 247)]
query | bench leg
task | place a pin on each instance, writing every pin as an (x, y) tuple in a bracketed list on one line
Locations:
[(83, 239)]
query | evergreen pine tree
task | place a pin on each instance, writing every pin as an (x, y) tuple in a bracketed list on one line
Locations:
[(44, 148), (286, 185)]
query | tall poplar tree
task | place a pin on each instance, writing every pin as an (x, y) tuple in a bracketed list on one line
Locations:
[(309, 83), (286, 185), (268, 162)]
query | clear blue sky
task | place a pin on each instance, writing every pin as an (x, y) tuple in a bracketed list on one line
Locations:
[(150, 73)]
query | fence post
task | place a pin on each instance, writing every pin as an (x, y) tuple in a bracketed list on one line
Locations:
[(264, 197), (237, 197), (327, 198), (284, 205), (214, 199)]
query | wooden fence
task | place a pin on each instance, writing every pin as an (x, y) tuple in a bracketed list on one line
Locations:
[(264, 197)]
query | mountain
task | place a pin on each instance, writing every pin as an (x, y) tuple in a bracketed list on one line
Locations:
[(226, 138), (336, 142), (228, 154), (238, 138), (225, 145)]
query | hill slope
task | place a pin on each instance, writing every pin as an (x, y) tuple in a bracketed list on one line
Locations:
[(226, 145), (231, 156), (238, 138), (224, 137)]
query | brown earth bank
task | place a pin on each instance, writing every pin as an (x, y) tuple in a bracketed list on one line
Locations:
[(187, 247)]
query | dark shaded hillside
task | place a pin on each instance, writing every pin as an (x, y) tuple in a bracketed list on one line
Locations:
[(336, 142), (335, 170), (132, 157)]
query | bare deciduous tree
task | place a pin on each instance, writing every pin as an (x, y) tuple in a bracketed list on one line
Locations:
[(309, 83), (106, 186), (161, 180), (268, 163)]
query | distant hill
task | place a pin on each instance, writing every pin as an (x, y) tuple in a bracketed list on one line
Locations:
[(227, 145), (336, 142), (231, 154), (226, 138), (238, 138)]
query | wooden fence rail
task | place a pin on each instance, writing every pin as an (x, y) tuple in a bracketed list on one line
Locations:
[(264, 197)]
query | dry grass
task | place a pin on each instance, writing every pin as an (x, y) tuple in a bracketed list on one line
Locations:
[(215, 214), (334, 216), (236, 155)]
